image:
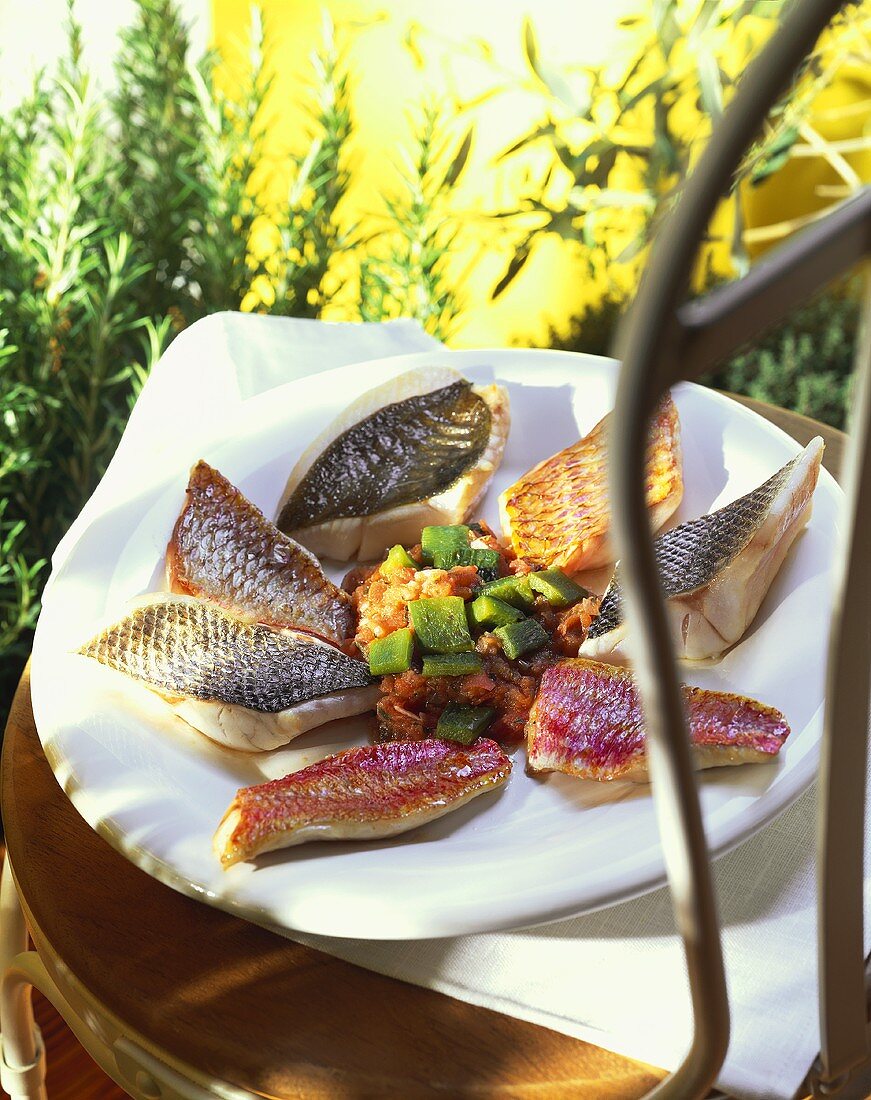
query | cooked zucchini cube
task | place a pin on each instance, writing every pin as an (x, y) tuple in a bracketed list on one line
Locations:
[(522, 637), (463, 723), (456, 555), (434, 540), (391, 654), (485, 612), (487, 562), (451, 664), (558, 589), (514, 590), (440, 624), (398, 558)]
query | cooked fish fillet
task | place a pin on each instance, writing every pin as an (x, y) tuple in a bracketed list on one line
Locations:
[(586, 720), (224, 549), (360, 794), (716, 570), (417, 450), (557, 514), (242, 684)]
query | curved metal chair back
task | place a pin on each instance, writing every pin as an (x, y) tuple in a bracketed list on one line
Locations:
[(664, 340)]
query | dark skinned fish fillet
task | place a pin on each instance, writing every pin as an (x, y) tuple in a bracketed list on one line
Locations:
[(242, 684), (360, 794), (224, 549), (715, 570), (586, 720), (416, 450)]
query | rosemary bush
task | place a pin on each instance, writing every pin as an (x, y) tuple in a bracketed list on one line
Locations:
[(409, 277), (805, 364), (308, 226), (125, 217)]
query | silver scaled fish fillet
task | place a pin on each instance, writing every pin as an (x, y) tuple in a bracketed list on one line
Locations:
[(417, 450), (242, 684), (224, 549), (715, 570)]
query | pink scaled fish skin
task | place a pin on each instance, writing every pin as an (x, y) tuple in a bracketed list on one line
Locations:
[(360, 794), (586, 720)]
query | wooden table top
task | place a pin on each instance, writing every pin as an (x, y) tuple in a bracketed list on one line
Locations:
[(256, 1010)]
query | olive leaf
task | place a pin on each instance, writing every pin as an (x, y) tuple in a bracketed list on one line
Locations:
[(774, 155), (552, 79), (455, 169), (515, 266)]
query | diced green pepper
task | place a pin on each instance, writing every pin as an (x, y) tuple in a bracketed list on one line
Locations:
[(440, 624), (435, 540), (391, 654), (451, 664), (456, 555), (514, 590), (558, 589), (485, 612), (522, 637), (487, 562), (459, 722), (398, 558)]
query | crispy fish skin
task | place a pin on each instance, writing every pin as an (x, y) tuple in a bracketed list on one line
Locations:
[(224, 549), (419, 449), (244, 685), (359, 794), (558, 515), (587, 721), (716, 570)]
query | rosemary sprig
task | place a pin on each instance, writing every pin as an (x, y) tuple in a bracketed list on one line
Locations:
[(406, 272)]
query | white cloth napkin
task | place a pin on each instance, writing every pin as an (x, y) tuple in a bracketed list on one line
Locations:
[(616, 977)]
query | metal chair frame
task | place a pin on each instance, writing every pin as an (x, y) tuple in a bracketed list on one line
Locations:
[(664, 340)]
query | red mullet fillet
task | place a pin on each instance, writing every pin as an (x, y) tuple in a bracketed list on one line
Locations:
[(586, 720), (360, 794)]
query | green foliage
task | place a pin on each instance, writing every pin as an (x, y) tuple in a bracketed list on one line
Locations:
[(156, 107), (410, 278), (123, 219), (188, 157), (805, 364), (66, 278), (618, 136), (592, 330), (308, 226)]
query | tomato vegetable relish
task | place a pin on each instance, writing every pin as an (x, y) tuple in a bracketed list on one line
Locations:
[(472, 638)]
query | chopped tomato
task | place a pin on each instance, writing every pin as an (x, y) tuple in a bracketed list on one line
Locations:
[(411, 703)]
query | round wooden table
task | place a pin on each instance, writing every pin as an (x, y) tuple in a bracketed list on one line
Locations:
[(172, 996)]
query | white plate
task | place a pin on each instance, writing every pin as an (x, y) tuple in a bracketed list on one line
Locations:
[(536, 850)]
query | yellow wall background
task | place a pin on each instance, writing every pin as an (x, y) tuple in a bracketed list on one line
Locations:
[(388, 85)]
